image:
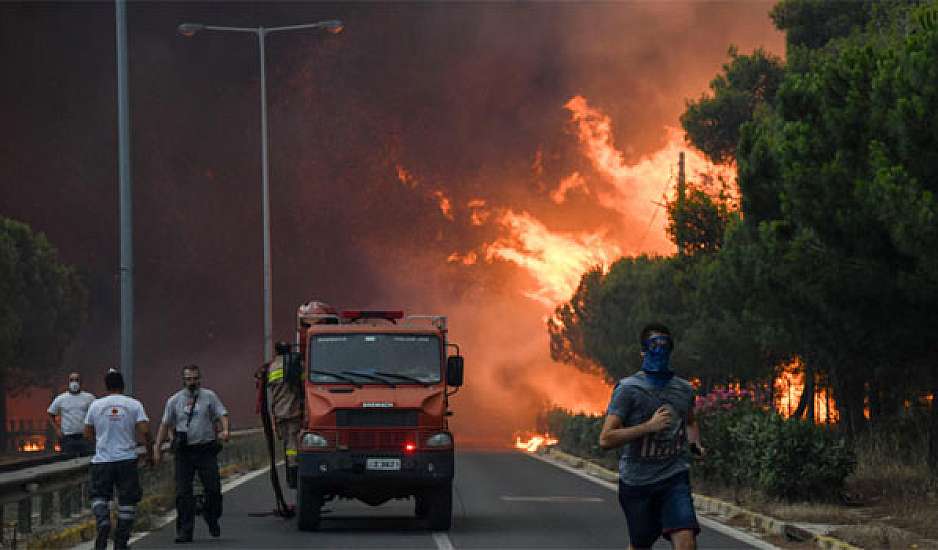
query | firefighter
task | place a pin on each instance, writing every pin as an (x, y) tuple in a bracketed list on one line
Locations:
[(285, 387), (286, 406)]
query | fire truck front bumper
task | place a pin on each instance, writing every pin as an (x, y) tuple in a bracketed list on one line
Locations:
[(350, 468)]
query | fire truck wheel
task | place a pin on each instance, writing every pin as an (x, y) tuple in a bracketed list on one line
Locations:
[(420, 506), (308, 507), (439, 504)]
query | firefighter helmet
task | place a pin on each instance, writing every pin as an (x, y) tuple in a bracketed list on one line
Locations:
[(316, 307)]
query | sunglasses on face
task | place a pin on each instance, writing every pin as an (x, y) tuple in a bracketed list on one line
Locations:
[(657, 343)]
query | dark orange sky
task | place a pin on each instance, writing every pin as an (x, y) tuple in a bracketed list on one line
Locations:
[(468, 97)]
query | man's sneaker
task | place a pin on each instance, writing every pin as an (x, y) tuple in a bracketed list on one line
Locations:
[(214, 529), (180, 539)]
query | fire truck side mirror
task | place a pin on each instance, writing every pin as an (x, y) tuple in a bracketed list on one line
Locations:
[(454, 371)]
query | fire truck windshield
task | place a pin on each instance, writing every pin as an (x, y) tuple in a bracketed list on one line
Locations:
[(403, 358)]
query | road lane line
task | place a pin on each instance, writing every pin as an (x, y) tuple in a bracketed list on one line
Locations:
[(703, 520), (442, 541), (561, 500)]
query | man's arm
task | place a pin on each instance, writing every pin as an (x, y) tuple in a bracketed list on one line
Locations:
[(693, 431), (56, 424), (225, 433), (89, 432), (613, 435), (142, 429)]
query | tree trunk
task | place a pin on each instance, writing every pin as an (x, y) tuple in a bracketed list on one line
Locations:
[(806, 403), (933, 426), (3, 411), (849, 399)]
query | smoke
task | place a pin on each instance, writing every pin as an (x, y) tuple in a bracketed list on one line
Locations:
[(431, 157)]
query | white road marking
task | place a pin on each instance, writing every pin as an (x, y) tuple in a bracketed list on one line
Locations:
[(561, 500), (442, 541), (704, 521)]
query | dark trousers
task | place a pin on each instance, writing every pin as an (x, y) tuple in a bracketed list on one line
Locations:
[(104, 478), (192, 459), (75, 445)]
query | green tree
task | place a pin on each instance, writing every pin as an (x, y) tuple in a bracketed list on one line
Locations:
[(42, 305), (712, 123)]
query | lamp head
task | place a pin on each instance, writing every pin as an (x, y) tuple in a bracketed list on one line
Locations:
[(189, 29)]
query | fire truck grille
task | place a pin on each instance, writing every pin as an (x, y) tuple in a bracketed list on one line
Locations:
[(375, 418), (391, 440)]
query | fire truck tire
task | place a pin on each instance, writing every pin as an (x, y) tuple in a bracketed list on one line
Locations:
[(439, 507), (309, 503), (420, 506)]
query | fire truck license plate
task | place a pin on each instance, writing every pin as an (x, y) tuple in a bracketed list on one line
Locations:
[(383, 464)]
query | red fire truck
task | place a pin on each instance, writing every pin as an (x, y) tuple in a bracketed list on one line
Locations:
[(377, 390)]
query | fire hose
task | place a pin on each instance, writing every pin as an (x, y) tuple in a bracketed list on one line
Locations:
[(282, 508)]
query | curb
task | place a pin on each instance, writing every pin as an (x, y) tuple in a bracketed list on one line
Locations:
[(711, 505)]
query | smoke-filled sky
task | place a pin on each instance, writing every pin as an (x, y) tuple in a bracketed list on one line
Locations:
[(468, 159)]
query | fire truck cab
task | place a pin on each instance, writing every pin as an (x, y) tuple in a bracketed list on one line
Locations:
[(377, 388)]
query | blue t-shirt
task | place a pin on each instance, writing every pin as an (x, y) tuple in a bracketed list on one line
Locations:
[(652, 457)]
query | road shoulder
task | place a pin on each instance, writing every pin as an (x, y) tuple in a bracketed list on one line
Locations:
[(713, 513)]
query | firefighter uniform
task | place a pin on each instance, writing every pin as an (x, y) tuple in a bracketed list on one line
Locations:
[(286, 406)]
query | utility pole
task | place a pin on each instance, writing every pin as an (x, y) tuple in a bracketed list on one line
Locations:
[(126, 202), (681, 198)]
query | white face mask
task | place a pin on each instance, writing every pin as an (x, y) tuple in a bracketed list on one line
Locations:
[(74, 387)]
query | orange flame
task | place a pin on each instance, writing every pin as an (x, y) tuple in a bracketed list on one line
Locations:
[(406, 177), (789, 385), (34, 444), (535, 442), (446, 207), (555, 260), (567, 184), (637, 189)]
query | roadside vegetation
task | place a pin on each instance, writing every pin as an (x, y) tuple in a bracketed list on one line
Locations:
[(43, 303), (821, 256)]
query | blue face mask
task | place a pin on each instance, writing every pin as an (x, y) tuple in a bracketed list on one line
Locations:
[(657, 360)]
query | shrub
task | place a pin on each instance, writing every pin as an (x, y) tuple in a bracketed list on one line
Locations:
[(748, 445), (751, 445)]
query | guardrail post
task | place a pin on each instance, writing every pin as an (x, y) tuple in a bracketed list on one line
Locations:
[(24, 515), (46, 508)]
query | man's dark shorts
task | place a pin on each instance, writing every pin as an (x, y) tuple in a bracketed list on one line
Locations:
[(658, 509), (106, 475)]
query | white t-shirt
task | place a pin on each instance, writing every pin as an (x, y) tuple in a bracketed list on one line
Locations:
[(114, 419), (72, 408)]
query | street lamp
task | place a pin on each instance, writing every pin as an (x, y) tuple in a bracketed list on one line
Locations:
[(189, 30)]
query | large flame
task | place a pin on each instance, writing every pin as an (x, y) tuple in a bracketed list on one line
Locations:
[(789, 385), (555, 260), (637, 190)]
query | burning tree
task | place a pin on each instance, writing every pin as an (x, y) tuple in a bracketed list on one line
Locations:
[(42, 305)]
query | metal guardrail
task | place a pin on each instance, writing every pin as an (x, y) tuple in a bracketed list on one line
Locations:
[(45, 497)]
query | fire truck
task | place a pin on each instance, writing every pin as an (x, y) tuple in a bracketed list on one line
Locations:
[(376, 424)]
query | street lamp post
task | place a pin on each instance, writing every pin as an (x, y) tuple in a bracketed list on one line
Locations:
[(189, 30)]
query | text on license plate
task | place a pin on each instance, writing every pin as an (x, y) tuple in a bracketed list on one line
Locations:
[(383, 464)]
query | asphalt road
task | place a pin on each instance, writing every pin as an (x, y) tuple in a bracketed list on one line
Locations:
[(502, 500)]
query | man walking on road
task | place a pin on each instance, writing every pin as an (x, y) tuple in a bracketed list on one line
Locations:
[(117, 422), (67, 414), (651, 416), (195, 414)]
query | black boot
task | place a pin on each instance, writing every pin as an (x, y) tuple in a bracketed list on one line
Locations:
[(122, 533), (100, 539), (102, 516)]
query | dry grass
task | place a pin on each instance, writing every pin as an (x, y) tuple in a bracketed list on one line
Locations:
[(891, 500)]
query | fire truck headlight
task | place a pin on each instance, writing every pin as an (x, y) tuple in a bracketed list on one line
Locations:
[(311, 440), (441, 439)]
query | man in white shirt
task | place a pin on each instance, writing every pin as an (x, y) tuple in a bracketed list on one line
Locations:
[(117, 422), (67, 413)]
